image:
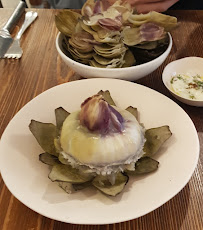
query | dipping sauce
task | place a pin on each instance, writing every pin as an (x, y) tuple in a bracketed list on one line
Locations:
[(189, 87)]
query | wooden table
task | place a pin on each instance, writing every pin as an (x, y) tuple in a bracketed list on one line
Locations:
[(41, 68)]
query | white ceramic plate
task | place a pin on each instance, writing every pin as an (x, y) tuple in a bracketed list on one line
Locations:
[(27, 178)]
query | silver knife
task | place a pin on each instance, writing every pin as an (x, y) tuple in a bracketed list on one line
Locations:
[(5, 37)]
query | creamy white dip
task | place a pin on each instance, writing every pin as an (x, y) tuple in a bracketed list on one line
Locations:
[(189, 87)]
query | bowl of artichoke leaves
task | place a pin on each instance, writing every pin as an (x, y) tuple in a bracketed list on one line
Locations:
[(113, 41)]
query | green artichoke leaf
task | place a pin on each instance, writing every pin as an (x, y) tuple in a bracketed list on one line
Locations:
[(66, 173), (144, 165), (131, 36), (102, 183), (107, 97), (82, 41), (133, 111), (61, 114), (109, 63), (45, 133), (82, 185), (102, 35), (48, 159), (93, 63), (66, 186), (155, 138), (66, 21), (109, 51), (163, 20), (89, 4), (129, 59)]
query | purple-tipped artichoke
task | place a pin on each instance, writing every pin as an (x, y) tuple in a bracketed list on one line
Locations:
[(97, 115)]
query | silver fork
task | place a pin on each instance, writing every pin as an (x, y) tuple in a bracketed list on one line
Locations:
[(15, 51)]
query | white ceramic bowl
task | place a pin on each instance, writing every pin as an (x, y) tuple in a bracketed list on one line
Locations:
[(128, 73), (187, 66)]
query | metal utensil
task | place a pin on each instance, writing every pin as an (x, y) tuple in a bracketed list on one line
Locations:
[(15, 51), (5, 37)]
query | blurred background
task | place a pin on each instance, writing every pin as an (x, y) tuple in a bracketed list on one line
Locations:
[(29, 3), (57, 4)]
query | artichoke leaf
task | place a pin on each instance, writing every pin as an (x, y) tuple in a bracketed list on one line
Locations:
[(48, 159), (131, 36), (144, 165), (66, 173), (62, 159), (45, 133), (110, 12), (152, 45), (107, 97), (133, 111), (102, 183), (78, 56), (82, 41), (113, 53), (78, 28), (66, 186), (104, 61), (86, 28), (155, 138), (102, 36), (146, 33), (93, 20), (103, 33), (57, 145), (82, 186), (115, 63), (81, 47), (96, 28), (148, 45), (163, 20), (114, 39), (93, 63), (61, 114), (129, 59), (139, 19), (107, 47), (87, 9), (66, 21)]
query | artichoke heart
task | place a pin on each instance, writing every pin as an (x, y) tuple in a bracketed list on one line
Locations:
[(102, 137)]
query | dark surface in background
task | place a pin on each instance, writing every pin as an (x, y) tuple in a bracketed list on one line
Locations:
[(188, 5)]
